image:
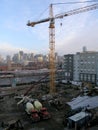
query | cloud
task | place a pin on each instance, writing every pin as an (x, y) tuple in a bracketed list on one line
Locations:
[(9, 49), (76, 31), (87, 36), (71, 37)]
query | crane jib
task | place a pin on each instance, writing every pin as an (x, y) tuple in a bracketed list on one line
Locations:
[(77, 11), (71, 12)]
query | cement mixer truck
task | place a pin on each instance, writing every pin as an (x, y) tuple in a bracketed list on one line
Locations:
[(36, 111), (42, 111), (32, 112)]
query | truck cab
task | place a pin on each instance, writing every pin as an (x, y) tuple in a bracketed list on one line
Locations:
[(44, 114), (34, 116)]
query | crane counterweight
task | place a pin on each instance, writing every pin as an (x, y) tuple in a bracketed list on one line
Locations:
[(31, 24)]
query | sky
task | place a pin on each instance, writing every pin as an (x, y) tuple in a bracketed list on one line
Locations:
[(76, 31)]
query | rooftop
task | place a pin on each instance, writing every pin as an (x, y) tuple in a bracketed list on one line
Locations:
[(79, 116)]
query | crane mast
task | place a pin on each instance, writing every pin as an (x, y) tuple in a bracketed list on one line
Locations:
[(52, 35), (52, 51)]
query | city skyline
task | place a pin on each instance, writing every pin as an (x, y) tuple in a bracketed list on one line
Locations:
[(76, 31), (43, 54)]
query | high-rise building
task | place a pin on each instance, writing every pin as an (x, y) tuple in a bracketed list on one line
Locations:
[(15, 58), (76, 67), (8, 60), (1, 59), (21, 56), (84, 49), (68, 66), (86, 66)]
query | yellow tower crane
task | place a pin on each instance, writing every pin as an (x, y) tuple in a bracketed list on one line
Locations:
[(51, 19)]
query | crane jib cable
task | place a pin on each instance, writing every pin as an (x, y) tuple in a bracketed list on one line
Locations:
[(81, 2), (77, 11)]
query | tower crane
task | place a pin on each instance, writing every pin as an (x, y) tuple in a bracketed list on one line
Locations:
[(51, 19)]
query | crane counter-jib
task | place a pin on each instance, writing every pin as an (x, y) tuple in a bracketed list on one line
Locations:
[(40, 21)]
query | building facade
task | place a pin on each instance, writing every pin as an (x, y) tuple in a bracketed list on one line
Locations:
[(68, 66), (81, 67), (86, 67), (76, 67)]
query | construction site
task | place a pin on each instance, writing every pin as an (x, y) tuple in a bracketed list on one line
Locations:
[(46, 103), (16, 106)]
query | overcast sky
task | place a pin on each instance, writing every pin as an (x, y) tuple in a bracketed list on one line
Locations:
[(76, 30)]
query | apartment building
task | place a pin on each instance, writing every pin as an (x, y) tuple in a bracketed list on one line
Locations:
[(68, 66), (76, 67), (82, 66), (86, 66)]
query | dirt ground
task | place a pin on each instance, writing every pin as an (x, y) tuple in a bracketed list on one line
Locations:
[(10, 111)]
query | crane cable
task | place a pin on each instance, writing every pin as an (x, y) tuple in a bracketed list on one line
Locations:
[(76, 2), (40, 15)]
